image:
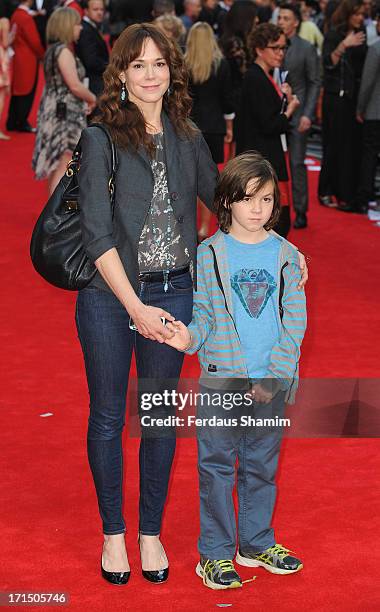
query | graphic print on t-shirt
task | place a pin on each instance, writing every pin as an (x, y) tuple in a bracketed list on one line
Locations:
[(253, 288)]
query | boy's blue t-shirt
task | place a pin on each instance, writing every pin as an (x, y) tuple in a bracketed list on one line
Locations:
[(254, 274)]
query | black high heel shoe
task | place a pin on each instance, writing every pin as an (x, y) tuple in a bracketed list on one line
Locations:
[(155, 576), (118, 578)]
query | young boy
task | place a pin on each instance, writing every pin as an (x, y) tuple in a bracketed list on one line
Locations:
[(249, 320)]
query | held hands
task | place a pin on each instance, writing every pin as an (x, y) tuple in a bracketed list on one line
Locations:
[(148, 323), (181, 336)]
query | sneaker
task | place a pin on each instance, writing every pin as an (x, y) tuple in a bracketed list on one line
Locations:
[(274, 559), (218, 574)]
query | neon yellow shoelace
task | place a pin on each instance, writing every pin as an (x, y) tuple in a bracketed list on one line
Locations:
[(278, 550), (225, 565)]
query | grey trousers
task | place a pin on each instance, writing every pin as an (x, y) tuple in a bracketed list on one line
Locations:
[(297, 151), (257, 451)]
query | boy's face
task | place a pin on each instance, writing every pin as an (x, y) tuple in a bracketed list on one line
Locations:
[(251, 214)]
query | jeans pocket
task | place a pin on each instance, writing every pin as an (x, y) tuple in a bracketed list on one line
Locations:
[(182, 282)]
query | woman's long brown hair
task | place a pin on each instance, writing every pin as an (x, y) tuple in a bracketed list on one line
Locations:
[(341, 16), (127, 124)]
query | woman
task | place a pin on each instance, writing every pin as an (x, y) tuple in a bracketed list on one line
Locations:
[(344, 52), (263, 119), (211, 90), (65, 100), (144, 258), (239, 21), (172, 27)]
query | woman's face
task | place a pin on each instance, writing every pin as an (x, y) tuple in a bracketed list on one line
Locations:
[(76, 32), (147, 77), (356, 20), (273, 54)]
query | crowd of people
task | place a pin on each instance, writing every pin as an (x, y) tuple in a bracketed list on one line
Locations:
[(253, 86)]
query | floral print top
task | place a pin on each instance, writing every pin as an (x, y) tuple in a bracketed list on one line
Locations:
[(161, 246)]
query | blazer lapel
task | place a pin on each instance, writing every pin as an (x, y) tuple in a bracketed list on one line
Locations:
[(173, 161), (144, 156)]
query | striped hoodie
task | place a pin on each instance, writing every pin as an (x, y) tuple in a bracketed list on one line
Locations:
[(213, 329)]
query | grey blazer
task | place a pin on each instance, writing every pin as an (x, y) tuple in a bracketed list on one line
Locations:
[(191, 172), (303, 63), (369, 94)]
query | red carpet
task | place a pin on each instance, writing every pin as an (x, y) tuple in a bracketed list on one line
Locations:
[(328, 504)]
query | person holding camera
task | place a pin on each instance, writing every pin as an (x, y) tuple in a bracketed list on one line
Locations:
[(65, 101)]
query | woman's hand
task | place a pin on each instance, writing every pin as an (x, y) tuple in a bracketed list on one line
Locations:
[(90, 107), (181, 337), (354, 39), (293, 104), (286, 90), (148, 323)]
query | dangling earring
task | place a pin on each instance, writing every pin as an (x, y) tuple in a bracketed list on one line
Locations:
[(123, 95), (169, 91)]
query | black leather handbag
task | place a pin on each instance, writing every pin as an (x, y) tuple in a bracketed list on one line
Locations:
[(56, 247)]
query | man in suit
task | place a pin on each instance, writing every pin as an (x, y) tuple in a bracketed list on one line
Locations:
[(302, 63), (91, 47), (368, 111), (42, 9), (28, 50)]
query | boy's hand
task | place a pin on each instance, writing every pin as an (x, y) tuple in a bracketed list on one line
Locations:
[(261, 395), (181, 338)]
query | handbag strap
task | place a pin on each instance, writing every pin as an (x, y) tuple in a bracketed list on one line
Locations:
[(114, 162), (73, 165)]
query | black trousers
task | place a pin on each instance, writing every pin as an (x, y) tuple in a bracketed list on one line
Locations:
[(342, 140), (19, 109), (370, 153)]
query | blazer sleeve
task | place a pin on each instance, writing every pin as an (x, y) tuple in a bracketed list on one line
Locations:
[(330, 43), (207, 173), (258, 94), (226, 89), (313, 81), (94, 196), (369, 76)]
